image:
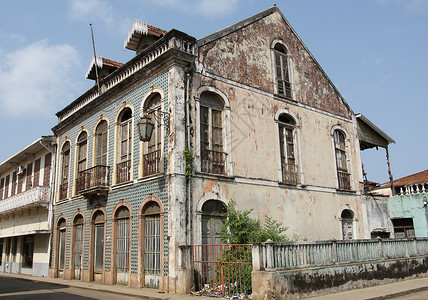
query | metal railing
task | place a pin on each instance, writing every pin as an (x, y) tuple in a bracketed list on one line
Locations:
[(290, 174), (151, 163), (63, 191), (93, 177), (344, 180), (37, 195), (222, 269), (294, 255), (213, 162), (123, 170)]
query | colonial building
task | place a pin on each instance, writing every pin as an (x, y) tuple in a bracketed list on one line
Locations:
[(248, 107), (26, 210)]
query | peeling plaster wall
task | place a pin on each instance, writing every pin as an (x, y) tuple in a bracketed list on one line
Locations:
[(25, 221), (411, 206), (244, 56), (309, 215)]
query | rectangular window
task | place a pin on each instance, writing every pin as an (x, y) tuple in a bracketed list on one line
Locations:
[(37, 172), (14, 184), (20, 182), (102, 148), (1, 188), (403, 228), (28, 251), (81, 164), (6, 187), (29, 181), (282, 76), (47, 169)]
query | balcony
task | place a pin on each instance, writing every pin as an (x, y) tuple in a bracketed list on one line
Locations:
[(93, 182), (123, 170), (38, 196), (151, 163), (290, 174), (213, 162)]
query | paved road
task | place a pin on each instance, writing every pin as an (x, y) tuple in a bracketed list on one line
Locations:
[(11, 288)]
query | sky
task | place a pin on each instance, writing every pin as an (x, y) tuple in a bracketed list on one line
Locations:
[(374, 51)]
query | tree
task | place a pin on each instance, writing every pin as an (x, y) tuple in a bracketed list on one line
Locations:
[(240, 228)]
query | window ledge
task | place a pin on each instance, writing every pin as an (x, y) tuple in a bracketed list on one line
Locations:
[(62, 201), (122, 184), (342, 191), (151, 177), (214, 176)]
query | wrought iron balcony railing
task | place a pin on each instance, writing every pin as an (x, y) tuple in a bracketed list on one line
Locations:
[(92, 178), (344, 179), (37, 196), (290, 174), (213, 162), (151, 163), (123, 171)]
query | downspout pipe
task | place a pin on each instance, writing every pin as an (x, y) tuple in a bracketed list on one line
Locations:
[(189, 181)]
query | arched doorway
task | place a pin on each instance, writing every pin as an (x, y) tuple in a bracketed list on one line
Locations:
[(122, 236), (151, 222), (78, 246), (347, 219), (98, 222), (61, 234), (212, 221)]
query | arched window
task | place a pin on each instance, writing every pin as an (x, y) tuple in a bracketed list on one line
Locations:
[(61, 234), (65, 169), (82, 151), (98, 222), (122, 244), (289, 166), (101, 143), (124, 146), (282, 73), (213, 155), (347, 219), (78, 246), (152, 241), (212, 221), (152, 155), (343, 176)]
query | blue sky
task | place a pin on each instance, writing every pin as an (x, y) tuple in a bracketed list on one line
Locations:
[(374, 51)]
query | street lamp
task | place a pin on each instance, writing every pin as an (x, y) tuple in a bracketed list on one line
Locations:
[(145, 128)]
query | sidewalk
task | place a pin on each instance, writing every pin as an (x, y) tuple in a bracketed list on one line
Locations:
[(386, 291), (144, 293)]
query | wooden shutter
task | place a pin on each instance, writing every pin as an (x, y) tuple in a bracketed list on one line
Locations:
[(29, 181), (47, 169), (37, 172)]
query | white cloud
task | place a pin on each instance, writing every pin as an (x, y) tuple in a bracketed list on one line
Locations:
[(208, 8), (37, 78), (89, 10)]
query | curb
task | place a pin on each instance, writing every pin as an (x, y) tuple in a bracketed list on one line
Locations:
[(399, 294)]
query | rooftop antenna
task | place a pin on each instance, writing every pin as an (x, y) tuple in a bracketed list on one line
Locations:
[(95, 58)]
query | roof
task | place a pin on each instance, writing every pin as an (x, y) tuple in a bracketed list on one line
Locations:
[(101, 63), (22, 155), (421, 177), (370, 135), (136, 32)]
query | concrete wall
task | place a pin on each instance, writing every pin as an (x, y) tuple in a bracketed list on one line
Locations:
[(25, 221), (319, 281), (411, 206)]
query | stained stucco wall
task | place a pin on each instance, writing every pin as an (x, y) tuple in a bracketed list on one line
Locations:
[(411, 206)]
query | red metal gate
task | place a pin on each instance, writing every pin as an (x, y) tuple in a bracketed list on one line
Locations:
[(222, 269)]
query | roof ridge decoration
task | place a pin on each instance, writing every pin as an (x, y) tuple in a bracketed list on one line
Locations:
[(138, 27), (99, 62)]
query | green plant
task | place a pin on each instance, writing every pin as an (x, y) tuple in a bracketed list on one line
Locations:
[(189, 162)]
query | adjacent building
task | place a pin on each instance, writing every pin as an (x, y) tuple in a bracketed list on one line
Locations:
[(26, 209)]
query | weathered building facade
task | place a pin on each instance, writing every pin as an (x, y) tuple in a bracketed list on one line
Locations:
[(26, 209), (249, 107)]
